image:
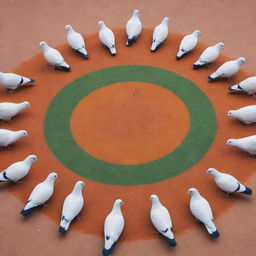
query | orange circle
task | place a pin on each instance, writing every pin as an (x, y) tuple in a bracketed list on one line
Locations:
[(99, 197), (130, 123)]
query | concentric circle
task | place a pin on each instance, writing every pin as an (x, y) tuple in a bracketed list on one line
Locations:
[(59, 137), (100, 196)]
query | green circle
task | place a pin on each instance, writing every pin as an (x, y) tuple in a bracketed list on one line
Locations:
[(196, 143)]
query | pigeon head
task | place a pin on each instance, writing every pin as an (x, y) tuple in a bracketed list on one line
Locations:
[(241, 60), (68, 27), (211, 171), (220, 45), (43, 44), (79, 185), (192, 191), (154, 198), (231, 113), (165, 20), (52, 176), (197, 33), (31, 158), (118, 202), (230, 142), (101, 23), (25, 104), (23, 133), (136, 12)]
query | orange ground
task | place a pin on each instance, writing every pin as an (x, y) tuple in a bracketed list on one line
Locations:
[(140, 126), (237, 225)]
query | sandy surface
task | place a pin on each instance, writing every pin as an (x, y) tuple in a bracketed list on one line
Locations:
[(26, 23)]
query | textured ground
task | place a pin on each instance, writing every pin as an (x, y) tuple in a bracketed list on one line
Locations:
[(35, 21)]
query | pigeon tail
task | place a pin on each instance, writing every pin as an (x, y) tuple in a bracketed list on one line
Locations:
[(247, 191), (171, 242), (62, 230), (155, 45), (65, 68), (215, 234), (32, 80), (235, 87), (211, 78), (82, 52), (106, 252), (112, 51), (26, 212), (130, 41), (198, 64), (27, 80), (180, 54), (64, 225)]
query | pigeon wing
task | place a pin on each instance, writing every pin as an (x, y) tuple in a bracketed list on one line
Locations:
[(75, 40), (113, 227), (107, 37), (53, 56), (133, 27), (161, 220)]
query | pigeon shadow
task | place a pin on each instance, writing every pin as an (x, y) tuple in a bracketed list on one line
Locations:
[(5, 185)]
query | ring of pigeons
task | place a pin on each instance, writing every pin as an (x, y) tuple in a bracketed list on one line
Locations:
[(159, 214)]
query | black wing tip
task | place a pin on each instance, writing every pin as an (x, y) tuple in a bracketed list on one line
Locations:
[(210, 79), (62, 230), (247, 191), (84, 56), (195, 66), (215, 234), (172, 242), (178, 57), (130, 41), (106, 252), (67, 69), (230, 88), (25, 212), (32, 80)]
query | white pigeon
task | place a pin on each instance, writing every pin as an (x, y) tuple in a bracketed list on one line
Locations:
[(160, 34), (18, 170), (248, 144), (12, 81), (40, 194), (161, 220), (188, 43), (248, 86), (8, 110), (53, 57), (133, 28), (107, 37), (72, 206), (8, 137), (209, 55), (228, 183), (76, 41), (113, 227), (246, 114), (201, 210), (227, 70)]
